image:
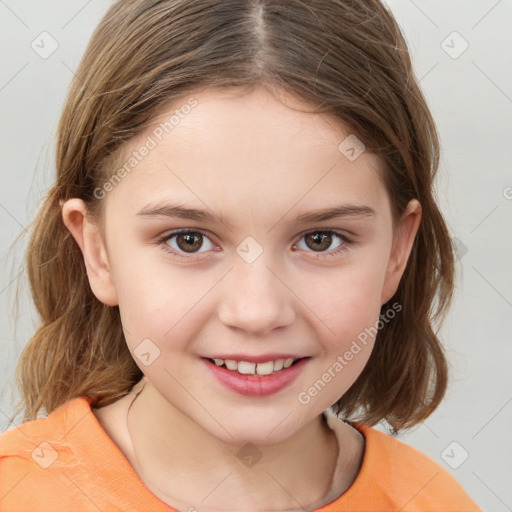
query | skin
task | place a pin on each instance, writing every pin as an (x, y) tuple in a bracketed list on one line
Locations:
[(260, 162)]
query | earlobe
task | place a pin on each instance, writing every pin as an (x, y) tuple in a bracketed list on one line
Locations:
[(88, 237), (402, 245)]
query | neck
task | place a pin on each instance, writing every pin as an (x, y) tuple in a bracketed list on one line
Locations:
[(185, 466)]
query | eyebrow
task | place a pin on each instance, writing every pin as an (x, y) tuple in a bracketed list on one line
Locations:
[(181, 212)]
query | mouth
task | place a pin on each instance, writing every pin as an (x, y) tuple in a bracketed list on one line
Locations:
[(256, 379), (256, 368)]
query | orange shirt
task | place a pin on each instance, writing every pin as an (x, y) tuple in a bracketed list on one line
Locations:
[(66, 462)]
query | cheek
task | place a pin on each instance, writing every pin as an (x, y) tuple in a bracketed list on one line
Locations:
[(351, 312), (344, 319), (158, 300), (349, 303)]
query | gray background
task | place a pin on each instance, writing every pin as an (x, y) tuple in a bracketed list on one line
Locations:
[(470, 93)]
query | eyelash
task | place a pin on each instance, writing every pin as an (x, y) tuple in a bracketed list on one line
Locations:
[(342, 248)]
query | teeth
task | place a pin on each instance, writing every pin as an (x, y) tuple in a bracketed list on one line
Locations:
[(265, 368), (231, 365), (246, 368)]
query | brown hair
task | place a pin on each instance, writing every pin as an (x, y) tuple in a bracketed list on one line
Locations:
[(347, 58)]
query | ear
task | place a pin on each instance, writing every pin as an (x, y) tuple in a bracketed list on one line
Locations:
[(403, 240), (88, 238)]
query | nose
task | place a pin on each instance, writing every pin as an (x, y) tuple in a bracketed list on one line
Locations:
[(255, 298)]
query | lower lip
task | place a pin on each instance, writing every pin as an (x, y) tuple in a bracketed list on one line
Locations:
[(256, 385)]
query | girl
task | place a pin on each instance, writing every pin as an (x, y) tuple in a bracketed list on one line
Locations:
[(238, 270)]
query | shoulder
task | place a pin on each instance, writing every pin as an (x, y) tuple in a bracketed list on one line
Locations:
[(51, 432), (38, 461), (394, 476), (65, 462), (409, 478)]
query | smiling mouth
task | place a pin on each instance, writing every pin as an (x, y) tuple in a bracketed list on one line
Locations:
[(257, 369)]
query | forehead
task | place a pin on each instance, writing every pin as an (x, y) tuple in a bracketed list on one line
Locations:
[(229, 151)]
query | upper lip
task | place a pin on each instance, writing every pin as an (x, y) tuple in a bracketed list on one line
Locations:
[(263, 358)]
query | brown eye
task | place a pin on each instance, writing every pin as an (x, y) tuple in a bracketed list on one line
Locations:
[(190, 242), (187, 242), (318, 241), (321, 241)]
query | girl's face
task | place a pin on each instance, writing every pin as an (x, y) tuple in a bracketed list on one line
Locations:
[(262, 283)]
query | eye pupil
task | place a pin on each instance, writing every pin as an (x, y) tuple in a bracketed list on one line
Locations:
[(319, 239), (191, 241)]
